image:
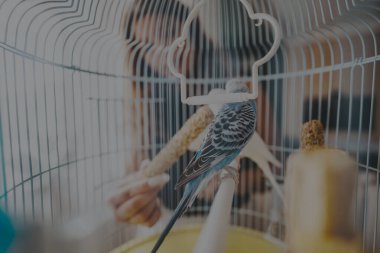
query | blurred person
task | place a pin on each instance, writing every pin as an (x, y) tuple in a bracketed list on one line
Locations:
[(150, 29)]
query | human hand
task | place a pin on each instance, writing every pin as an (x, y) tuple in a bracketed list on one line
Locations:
[(135, 201)]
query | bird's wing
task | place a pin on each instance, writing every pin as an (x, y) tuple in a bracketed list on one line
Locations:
[(256, 145), (228, 133)]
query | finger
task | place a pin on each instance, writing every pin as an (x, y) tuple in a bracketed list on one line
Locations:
[(124, 195), (139, 187), (144, 214), (155, 216), (128, 179), (120, 196), (137, 175), (144, 164), (131, 178), (131, 207)]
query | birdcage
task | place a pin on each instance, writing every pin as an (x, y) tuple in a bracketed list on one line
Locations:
[(88, 92)]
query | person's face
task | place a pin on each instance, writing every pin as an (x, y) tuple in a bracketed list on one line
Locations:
[(156, 34)]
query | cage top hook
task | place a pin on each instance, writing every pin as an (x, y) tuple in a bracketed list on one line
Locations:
[(224, 98)]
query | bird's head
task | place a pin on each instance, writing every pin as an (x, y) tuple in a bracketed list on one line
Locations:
[(216, 107), (237, 87)]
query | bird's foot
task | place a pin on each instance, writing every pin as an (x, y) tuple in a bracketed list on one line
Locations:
[(230, 172)]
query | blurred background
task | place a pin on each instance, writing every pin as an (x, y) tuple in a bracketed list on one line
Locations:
[(85, 96)]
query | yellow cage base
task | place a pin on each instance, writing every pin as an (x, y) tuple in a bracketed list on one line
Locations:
[(240, 240)]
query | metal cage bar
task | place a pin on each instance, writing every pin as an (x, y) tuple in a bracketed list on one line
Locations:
[(85, 94)]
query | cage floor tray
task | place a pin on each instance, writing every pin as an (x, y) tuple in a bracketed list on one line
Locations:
[(240, 240)]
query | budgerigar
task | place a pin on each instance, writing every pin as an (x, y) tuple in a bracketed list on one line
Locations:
[(256, 150), (227, 135)]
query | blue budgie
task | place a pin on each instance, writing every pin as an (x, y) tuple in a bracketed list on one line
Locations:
[(227, 135)]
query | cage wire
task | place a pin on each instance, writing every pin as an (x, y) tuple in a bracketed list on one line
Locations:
[(86, 95)]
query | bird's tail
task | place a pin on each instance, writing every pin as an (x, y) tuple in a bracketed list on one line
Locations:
[(180, 209)]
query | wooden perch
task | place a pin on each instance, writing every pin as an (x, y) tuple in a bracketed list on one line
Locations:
[(177, 146), (213, 236)]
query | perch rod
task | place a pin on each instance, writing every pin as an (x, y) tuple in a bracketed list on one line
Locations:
[(215, 230)]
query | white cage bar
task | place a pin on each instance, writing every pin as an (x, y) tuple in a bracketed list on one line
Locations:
[(85, 94)]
